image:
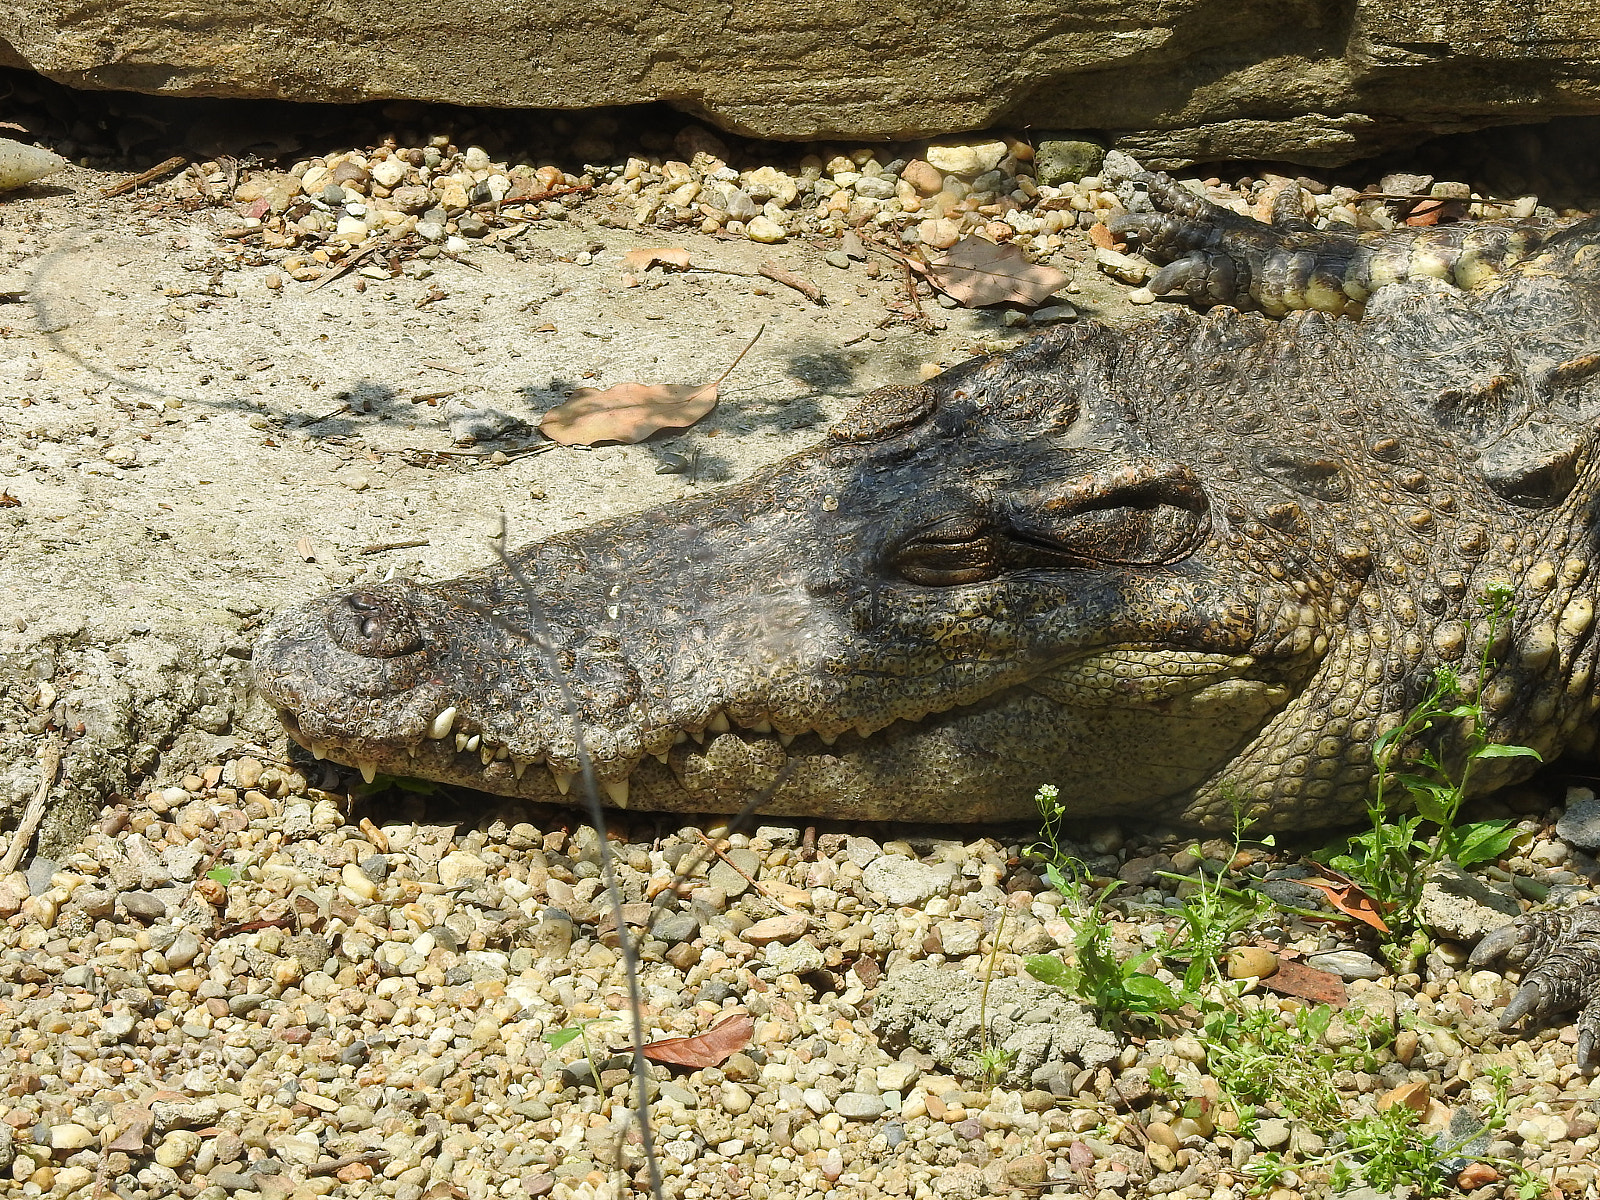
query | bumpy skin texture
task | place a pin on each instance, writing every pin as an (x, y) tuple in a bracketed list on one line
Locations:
[(1558, 954), (1201, 561), (1215, 256)]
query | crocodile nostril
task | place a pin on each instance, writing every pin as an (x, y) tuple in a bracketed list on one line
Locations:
[(374, 625)]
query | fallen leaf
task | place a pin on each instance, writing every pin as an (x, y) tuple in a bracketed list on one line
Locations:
[(1101, 236), (629, 412), (1349, 899), (975, 273), (709, 1049), (643, 259), (133, 1123), (1414, 1096), (1308, 983), (7, 500)]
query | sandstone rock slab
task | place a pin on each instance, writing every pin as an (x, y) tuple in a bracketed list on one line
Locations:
[(1315, 82)]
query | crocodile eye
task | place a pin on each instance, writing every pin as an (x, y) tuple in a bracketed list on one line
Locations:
[(950, 554)]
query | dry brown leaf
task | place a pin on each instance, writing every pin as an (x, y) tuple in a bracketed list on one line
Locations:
[(709, 1049), (629, 412), (1346, 896), (645, 258), (133, 1123), (1308, 983), (975, 273)]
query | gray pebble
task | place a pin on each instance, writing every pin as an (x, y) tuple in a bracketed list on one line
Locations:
[(675, 927), (143, 905), (1349, 964), (837, 258), (860, 1106), (1580, 824), (38, 875)]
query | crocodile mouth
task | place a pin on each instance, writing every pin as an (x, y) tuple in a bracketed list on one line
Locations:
[(739, 746)]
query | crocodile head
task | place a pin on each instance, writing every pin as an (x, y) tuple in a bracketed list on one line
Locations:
[(1010, 576)]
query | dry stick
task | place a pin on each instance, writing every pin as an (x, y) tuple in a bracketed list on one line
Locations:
[(381, 547), (543, 643), (591, 794), (804, 286), (712, 846), (536, 198), (49, 765), (345, 267), (176, 162)]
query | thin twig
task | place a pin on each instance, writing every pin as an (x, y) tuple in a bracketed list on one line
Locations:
[(49, 766), (381, 547), (804, 286), (345, 267), (176, 162), (752, 881), (332, 1165), (536, 198)]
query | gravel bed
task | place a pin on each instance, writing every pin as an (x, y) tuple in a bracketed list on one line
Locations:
[(235, 989)]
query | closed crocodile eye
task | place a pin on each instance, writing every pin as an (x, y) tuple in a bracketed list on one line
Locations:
[(950, 554)]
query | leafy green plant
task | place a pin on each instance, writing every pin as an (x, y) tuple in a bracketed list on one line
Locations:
[(1211, 916), (223, 875), (1116, 988), (557, 1038), (1258, 1059), (1394, 857)]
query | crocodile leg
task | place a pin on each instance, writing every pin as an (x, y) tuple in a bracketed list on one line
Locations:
[(1216, 256), (1558, 954)]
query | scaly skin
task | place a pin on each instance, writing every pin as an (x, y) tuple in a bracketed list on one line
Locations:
[(1203, 560), (1216, 256)]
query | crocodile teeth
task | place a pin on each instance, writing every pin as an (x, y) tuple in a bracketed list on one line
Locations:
[(699, 735), (461, 742), (679, 738), (863, 731), (441, 725), (563, 780), (501, 754), (828, 739), (616, 791), (474, 742), (319, 749), (662, 758), (368, 769), (718, 722), (785, 739), (486, 753), (411, 751), (761, 726)]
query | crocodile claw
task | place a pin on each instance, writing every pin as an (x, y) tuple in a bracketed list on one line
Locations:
[(1559, 955)]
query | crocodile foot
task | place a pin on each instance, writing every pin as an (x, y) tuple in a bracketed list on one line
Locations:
[(1558, 954), (1216, 256)]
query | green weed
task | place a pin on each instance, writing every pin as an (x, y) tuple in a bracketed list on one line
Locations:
[(1394, 857)]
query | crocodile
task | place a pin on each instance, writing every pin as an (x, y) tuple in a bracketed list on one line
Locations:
[(1198, 563), (1181, 570)]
